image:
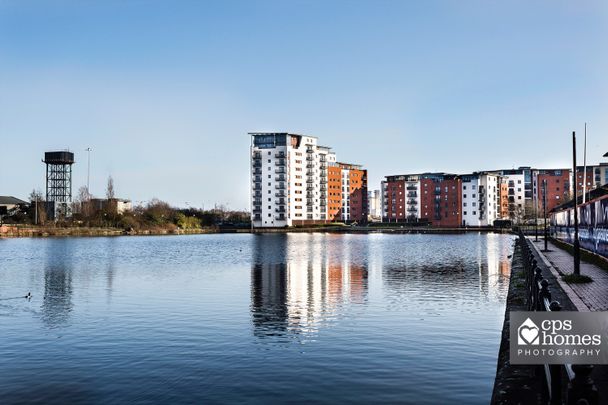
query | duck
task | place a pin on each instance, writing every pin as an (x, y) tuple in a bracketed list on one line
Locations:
[(28, 295)]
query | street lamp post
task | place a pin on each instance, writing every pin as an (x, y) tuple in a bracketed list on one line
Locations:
[(88, 150), (545, 210), (577, 247)]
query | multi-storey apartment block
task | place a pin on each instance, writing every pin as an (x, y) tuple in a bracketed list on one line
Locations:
[(432, 198), (557, 187), (480, 199), (347, 184), (291, 182)]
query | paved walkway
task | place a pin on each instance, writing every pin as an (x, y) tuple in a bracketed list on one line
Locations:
[(593, 295)]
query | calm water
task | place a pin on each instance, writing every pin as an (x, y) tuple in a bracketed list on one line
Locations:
[(252, 318)]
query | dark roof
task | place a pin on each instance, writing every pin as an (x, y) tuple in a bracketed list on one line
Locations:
[(6, 200)]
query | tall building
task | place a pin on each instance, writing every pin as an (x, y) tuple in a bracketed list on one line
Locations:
[(480, 199), (296, 181)]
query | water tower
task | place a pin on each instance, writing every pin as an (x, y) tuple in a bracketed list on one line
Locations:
[(58, 183)]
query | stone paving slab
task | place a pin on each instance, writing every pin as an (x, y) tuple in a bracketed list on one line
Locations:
[(594, 294)]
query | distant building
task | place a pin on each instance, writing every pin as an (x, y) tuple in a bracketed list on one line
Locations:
[(10, 204), (557, 187), (374, 199), (115, 205), (431, 198), (296, 181), (480, 199)]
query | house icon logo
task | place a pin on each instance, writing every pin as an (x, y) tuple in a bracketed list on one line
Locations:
[(528, 333)]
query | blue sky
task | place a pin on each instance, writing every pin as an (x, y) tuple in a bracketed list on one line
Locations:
[(164, 92)]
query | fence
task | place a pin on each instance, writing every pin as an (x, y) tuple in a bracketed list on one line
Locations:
[(579, 387)]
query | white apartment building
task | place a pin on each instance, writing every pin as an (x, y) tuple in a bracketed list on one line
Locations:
[(289, 179), (375, 205), (480, 199)]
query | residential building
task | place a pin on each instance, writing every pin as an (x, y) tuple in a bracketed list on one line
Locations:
[(557, 188), (520, 189), (115, 205), (374, 199), (480, 199), (432, 198), (296, 181), (9, 204), (504, 198)]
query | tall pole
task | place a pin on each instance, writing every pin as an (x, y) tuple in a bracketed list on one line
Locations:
[(545, 209), (585, 167), (88, 150), (536, 212), (577, 248)]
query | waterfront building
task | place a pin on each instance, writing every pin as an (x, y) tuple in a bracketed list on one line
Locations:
[(520, 191), (296, 181), (480, 199), (431, 198), (504, 198), (374, 200), (557, 188)]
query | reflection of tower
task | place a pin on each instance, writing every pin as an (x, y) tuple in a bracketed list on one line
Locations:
[(58, 183), (269, 285), (57, 303)]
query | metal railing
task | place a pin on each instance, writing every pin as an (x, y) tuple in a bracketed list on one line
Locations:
[(580, 388)]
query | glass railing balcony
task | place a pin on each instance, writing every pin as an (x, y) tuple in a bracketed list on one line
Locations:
[(257, 202), (280, 217), (410, 202), (413, 188), (280, 201), (310, 158), (257, 211), (310, 172), (310, 180), (323, 181), (280, 155), (280, 210), (257, 164), (412, 209), (280, 162), (257, 155), (411, 194), (280, 186), (280, 171), (257, 187), (279, 194), (280, 178), (257, 217)]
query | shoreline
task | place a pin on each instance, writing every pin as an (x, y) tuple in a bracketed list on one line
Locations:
[(19, 231)]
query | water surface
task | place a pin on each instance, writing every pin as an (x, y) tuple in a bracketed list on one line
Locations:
[(252, 318)]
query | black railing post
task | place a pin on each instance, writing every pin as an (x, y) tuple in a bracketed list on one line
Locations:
[(555, 370)]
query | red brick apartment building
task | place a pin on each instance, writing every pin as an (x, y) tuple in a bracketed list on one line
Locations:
[(434, 198), (347, 192), (558, 187)]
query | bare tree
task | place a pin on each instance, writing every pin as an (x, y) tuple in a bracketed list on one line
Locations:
[(82, 202), (110, 188)]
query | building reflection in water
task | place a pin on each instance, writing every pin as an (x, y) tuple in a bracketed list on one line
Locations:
[(57, 301), (300, 282)]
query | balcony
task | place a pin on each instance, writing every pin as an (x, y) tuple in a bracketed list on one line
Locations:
[(257, 202), (257, 155), (257, 217), (280, 217), (256, 171), (257, 179), (310, 172), (282, 209), (412, 194), (411, 188), (280, 186), (280, 201), (280, 155), (310, 180), (257, 187), (322, 195), (310, 187), (280, 162), (412, 209), (310, 149), (257, 163), (322, 203), (257, 211), (310, 158), (280, 194), (410, 202), (280, 178), (310, 165), (323, 188), (323, 181), (257, 194), (280, 171)]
